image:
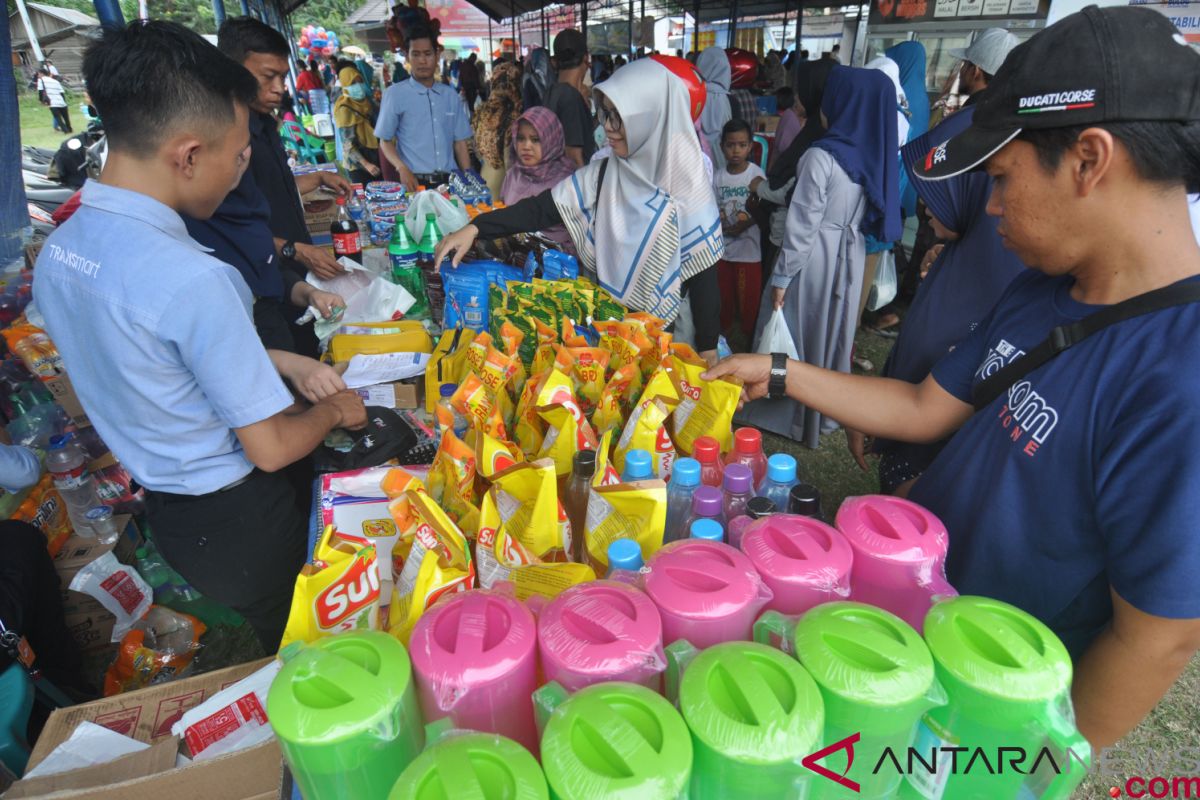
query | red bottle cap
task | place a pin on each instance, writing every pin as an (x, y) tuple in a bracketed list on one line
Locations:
[(341, 201), (747, 440), (706, 450)]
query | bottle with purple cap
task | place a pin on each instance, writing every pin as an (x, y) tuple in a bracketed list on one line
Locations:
[(739, 488), (707, 503)]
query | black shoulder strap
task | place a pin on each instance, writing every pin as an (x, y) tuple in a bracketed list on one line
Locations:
[(600, 180), (1065, 336)]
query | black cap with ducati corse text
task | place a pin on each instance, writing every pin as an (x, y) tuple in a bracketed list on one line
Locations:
[(1120, 64)]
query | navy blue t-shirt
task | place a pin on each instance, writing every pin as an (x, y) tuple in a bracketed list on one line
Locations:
[(1085, 474)]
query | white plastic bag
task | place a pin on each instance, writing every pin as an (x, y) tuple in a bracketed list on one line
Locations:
[(883, 290), (369, 298), (776, 338), (449, 216), (232, 719), (116, 587)]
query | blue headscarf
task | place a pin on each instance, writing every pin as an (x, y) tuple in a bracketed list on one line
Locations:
[(860, 105), (910, 58)]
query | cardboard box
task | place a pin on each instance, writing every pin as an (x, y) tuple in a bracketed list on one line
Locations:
[(147, 715), (394, 395), (91, 629), (90, 623)]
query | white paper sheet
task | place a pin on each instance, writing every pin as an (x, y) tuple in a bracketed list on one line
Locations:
[(383, 368), (88, 746)]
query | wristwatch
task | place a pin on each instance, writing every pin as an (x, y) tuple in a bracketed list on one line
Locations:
[(777, 386), (288, 250)]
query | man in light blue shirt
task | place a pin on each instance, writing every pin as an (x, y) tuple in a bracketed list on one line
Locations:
[(157, 334), (423, 126)]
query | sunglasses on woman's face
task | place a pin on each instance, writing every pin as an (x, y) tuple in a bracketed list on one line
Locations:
[(609, 117)]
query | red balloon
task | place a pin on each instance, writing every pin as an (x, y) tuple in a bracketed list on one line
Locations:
[(304, 41)]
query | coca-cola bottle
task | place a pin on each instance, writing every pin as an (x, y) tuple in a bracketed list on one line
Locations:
[(346, 241)]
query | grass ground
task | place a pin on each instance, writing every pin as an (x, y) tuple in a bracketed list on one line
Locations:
[(1173, 725)]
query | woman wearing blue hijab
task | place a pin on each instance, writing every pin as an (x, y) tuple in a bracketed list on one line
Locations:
[(846, 187), (910, 58)]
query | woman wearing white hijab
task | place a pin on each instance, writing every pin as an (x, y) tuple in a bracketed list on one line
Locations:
[(644, 221), (890, 68), (713, 66)]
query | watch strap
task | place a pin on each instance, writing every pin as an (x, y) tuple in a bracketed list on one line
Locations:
[(777, 386)]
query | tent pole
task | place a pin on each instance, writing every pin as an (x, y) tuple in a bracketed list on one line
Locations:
[(631, 51), (696, 33), (733, 14)]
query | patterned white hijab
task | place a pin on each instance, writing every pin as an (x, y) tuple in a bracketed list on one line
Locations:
[(654, 222)]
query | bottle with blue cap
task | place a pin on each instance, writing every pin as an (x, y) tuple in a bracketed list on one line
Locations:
[(708, 529), (638, 466), (781, 477), (685, 480), (624, 554)]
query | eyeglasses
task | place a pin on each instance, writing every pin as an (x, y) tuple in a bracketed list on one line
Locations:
[(608, 117)]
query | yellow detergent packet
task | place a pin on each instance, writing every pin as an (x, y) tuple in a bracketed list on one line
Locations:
[(706, 408), (661, 386), (493, 456), (548, 580), (606, 473), (452, 481), (473, 400), (438, 564), (610, 411), (568, 431), (647, 430), (342, 595), (635, 511)]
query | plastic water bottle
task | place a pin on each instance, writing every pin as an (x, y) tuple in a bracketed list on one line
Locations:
[(638, 466), (100, 520), (624, 554), (707, 451), (747, 450), (67, 464), (739, 488), (781, 477), (707, 503), (708, 529), (804, 499), (447, 391), (685, 480)]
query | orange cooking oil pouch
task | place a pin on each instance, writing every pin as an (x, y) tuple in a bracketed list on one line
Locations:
[(647, 430), (493, 456), (438, 564), (543, 356), (588, 370), (494, 368), (529, 430), (610, 411), (473, 400), (567, 430), (511, 339), (452, 481), (706, 408)]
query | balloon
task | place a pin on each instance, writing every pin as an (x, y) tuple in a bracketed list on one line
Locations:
[(320, 44), (304, 52), (304, 41)]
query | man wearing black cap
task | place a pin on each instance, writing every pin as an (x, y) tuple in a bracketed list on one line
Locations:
[(1073, 492), (565, 98)]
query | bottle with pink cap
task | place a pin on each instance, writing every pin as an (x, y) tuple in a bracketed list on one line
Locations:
[(707, 451), (747, 450)]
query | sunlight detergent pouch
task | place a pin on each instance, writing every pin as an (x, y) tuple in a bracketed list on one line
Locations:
[(647, 430), (342, 595), (635, 511), (447, 364), (438, 564), (706, 408), (452, 482), (568, 431)]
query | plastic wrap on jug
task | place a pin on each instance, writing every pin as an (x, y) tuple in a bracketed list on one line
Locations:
[(706, 592), (475, 660), (802, 560), (613, 740), (899, 555), (601, 631), (754, 714), (345, 712), (468, 764)]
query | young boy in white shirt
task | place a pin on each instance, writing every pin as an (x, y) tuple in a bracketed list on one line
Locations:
[(740, 272)]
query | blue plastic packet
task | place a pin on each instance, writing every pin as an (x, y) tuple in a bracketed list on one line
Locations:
[(559, 266), (466, 297)]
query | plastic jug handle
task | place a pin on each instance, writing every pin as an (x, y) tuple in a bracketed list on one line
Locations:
[(680, 654), (1067, 739), (777, 630), (545, 701)]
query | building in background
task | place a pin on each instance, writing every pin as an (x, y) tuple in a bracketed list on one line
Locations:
[(63, 33)]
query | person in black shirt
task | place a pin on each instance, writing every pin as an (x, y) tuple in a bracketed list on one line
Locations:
[(565, 98)]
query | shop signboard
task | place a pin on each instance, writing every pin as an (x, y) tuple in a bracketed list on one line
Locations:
[(891, 12)]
